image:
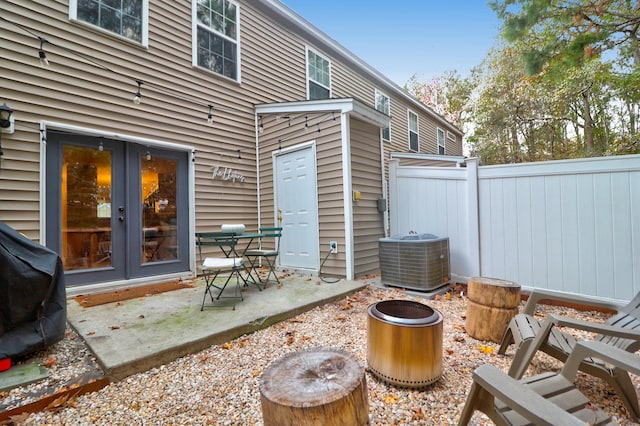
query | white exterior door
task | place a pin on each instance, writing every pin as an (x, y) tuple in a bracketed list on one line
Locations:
[(296, 196)]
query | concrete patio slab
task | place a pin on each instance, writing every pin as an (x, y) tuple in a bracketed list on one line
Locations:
[(138, 334)]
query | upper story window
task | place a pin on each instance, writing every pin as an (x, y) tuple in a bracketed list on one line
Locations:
[(217, 34), (452, 137), (441, 142), (413, 132), (383, 104), (126, 18), (318, 76)]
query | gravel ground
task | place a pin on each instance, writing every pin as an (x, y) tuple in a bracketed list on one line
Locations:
[(219, 386)]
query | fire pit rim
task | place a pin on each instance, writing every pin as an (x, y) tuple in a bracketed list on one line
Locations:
[(433, 318)]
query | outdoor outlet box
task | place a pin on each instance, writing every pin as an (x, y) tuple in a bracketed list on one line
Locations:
[(333, 246)]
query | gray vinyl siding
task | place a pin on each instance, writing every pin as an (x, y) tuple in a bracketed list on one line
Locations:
[(408, 162), (76, 92), (366, 178)]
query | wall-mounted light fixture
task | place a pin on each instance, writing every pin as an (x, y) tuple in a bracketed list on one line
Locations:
[(138, 96), (42, 54), (210, 115), (6, 118), (6, 122)]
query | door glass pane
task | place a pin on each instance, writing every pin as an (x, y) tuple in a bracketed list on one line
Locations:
[(159, 210), (86, 208)]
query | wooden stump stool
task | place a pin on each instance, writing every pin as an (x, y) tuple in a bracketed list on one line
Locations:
[(491, 303), (318, 386)]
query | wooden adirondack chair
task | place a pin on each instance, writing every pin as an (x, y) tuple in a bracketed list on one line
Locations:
[(621, 331), (547, 398)]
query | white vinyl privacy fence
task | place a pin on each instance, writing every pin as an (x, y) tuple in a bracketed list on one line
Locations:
[(570, 225)]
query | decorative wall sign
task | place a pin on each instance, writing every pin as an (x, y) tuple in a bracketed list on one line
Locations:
[(226, 173)]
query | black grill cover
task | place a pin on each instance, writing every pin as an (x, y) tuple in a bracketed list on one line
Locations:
[(33, 309)]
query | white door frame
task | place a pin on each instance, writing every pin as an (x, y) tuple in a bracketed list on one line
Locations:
[(285, 151)]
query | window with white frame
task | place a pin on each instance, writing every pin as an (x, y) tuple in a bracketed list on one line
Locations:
[(126, 18), (217, 34), (383, 104), (441, 142), (414, 144), (318, 76)]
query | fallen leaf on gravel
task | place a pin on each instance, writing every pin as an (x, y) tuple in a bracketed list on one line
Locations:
[(58, 402), (49, 362), (202, 357), (418, 414), (346, 306), (227, 345), (91, 333), (391, 399), (340, 318), (19, 419), (489, 350)]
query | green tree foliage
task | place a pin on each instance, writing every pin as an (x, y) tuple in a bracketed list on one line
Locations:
[(566, 33), (566, 83), (563, 83)]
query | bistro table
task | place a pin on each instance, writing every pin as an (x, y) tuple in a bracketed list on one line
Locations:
[(241, 243)]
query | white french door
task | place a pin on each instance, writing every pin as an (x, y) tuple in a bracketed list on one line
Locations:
[(116, 210)]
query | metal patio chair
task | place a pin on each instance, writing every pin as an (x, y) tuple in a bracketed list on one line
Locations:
[(212, 267), (621, 331), (268, 254), (547, 398)]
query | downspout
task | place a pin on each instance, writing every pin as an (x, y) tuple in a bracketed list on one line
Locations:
[(255, 127), (346, 195), (43, 189)]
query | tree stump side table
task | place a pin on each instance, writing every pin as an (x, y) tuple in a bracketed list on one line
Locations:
[(317, 386), (491, 304)]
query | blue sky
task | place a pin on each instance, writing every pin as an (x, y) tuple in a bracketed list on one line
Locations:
[(405, 37)]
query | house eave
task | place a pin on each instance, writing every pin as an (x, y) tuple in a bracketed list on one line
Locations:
[(349, 106)]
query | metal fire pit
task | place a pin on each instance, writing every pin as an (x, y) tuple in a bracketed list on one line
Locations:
[(404, 344)]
